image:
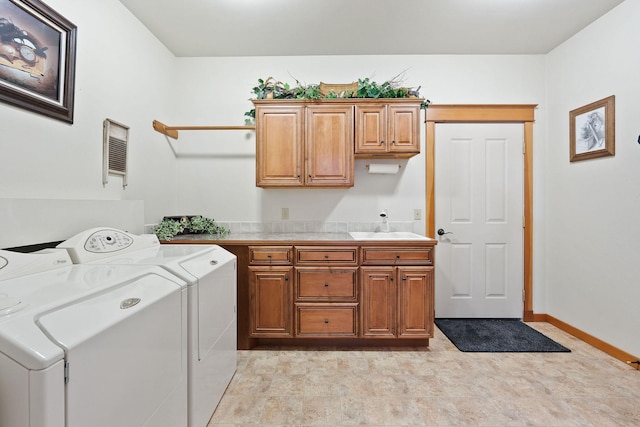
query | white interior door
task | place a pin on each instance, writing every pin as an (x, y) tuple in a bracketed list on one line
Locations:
[(479, 205)]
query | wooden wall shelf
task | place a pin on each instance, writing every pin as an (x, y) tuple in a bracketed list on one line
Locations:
[(172, 131)]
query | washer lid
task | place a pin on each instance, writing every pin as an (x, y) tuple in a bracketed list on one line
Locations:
[(15, 264), (71, 325), (9, 304), (42, 293)]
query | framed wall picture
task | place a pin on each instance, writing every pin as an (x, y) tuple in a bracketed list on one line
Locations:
[(37, 58), (592, 130)]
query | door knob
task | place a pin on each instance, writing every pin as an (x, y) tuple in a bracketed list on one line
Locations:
[(441, 232)]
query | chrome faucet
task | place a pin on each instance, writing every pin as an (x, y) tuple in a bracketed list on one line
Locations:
[(385, 227)]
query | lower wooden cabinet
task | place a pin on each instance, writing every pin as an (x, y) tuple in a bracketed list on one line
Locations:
[(415, 302), (397, 302), (341, 292), (270, 301), (378, 301)]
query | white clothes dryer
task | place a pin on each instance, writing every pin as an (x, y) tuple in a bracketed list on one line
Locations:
[(210, 272), (90, 345)]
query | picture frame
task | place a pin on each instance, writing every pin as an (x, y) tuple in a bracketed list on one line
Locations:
[(592, 130), (37, 59)]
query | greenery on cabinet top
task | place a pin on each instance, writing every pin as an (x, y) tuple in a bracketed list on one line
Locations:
[(366, 88)]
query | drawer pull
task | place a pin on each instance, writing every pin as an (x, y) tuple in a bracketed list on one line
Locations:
[(269, 256), (326, 285), (326, 320)]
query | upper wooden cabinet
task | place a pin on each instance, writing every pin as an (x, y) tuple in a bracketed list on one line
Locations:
[(387, 130), (329, 146), (313, 143), (300, 145), (279, 145)]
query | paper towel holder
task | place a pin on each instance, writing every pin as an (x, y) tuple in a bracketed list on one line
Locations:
[(383, 168)]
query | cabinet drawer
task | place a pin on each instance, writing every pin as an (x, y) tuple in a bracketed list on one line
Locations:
[(270, 255), (326, 284), (319, 320), (326, 255), (397, 256)]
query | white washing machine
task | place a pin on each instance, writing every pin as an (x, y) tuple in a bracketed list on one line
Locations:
[(210, 272), (90, 345)]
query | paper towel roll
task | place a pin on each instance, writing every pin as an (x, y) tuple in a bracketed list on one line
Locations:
[(384, 168)]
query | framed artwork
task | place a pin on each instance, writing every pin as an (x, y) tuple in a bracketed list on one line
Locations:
[(37, 59), (592, 130)]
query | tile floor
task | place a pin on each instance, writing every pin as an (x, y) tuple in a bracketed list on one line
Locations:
[(435, 386)]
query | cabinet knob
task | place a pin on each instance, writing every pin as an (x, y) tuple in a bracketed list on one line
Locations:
[(393, 142), (382, 142), (326, 320), (326, 285)]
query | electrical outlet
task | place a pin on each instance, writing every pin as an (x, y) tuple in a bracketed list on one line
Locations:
[(417, 214), (284, 214)]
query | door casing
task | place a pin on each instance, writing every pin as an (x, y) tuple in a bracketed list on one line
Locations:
[(487, 113)]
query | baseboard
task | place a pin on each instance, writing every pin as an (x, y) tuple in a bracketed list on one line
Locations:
[(612, 351)]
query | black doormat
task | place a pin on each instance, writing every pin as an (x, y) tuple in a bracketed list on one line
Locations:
[(496, 335)]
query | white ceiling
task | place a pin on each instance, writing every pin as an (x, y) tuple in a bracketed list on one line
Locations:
[(364, 27)]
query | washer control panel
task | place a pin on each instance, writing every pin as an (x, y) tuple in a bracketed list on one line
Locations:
[(96, 244), (105, 241)]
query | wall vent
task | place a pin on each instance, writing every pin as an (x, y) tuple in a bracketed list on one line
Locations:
[(115, 150)]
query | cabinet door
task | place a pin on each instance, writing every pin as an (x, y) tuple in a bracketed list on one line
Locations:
[(371, 129), (279, 146), (270, 301), (378, 302), (404, 128), (329, 146), (415, 302)]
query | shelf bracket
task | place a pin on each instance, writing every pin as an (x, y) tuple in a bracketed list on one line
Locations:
[(172, 131)]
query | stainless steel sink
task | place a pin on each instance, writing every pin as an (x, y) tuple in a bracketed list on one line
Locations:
[(392, 235)]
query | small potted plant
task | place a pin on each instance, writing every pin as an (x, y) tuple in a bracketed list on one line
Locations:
[(172, 226)]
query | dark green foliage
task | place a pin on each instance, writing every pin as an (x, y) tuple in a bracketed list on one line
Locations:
[(367, 88), (168, 228)]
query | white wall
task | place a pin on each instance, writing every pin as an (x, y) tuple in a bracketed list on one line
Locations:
[(584, 246), (592, 206), (217, 169), (122, 73)]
